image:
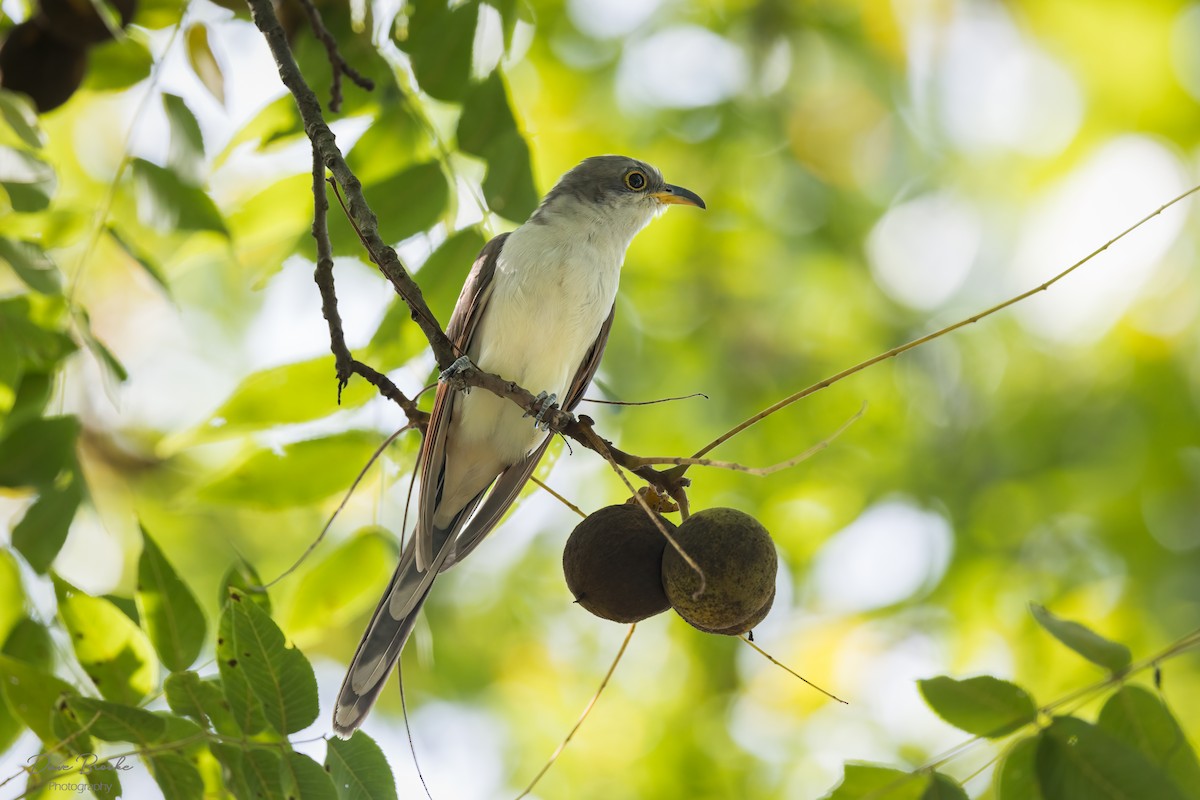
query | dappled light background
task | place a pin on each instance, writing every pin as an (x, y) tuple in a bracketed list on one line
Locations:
[(873, 170)]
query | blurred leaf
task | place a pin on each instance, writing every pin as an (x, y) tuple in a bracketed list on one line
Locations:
[(984, 706), (1139, 718), (32, 693), (395, 140), (943, 787), (233, 773), (279, 674), (202, 700), (36, 452), (1016, 778), (185, 156), (279, 119), (112, 650), (29, 401), (169, 610), (12, 596), (116, 722), (304, 472), (244, 704), (166, 203), (298, 392), (176, 776), (508, 187), (439, 43), (486, 114), (29, 181), (42, 531), (264, 773), (99, 350), (204, 63), (268, 227), (406, 203), (152, 268), (244, 577), (1095, 648), (32, 265), (1078, 761), (305, 779), (118, 65), (19, 114), (28, 342), (156, 14), (359, 769), (878, 783), (29, 641), (69, 729), (324, 599), (11, 726)]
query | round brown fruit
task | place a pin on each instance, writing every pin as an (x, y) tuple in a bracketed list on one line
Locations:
[(78, 22), (737, 557), (613, 563), (39, 65)]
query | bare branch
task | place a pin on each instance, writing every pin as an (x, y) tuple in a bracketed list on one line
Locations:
[(338, 64), (789, 670)]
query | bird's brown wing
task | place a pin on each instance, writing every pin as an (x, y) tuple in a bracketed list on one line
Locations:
[(510, 482)]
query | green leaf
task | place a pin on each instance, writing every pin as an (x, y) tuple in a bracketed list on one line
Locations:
[(167, 203), (406, 204), (12, 596), (118, 65), (185, 156), (244, 704), (29, 401), (32, 692), (284, 395), (42, 531), (943, 787), (19, 114), (203, 62), (264, 773), (32, 265), (233, 772), (878, 783), (440, 42), (244, 577), (116, 722), (324, 600), (35, 453), (1016, 778), (29, 641), (1139, 718), (69, 730), (99, 350), (279, 119), (26, 340), (11, 725), (984, 706), (176, 776), (304, 472), (486, 114), (305, 779), (396, 139), (151, 267), (508, 187), (169, 611), (359, 769), (269, 226), (202, 700), (29, 181), (279, 675), (112, 650), (1095, 648), (1078, 761)]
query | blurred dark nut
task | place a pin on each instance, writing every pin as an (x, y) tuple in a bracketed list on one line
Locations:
[(745, 626), (37, 64), (739, 563), (78, 22), (613, 563)]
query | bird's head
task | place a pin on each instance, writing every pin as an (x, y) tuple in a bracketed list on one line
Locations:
[(613, 190)]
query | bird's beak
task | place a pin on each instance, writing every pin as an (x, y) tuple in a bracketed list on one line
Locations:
[(678, 194)]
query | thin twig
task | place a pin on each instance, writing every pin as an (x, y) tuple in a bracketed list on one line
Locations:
[(643, 402), (558, 497), (787, 401), (412, 747), (336, 61), (587, 710), (789, 670)]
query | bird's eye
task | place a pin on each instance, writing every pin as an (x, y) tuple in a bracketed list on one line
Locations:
[(636, 180)]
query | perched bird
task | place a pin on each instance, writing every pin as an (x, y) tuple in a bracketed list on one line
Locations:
[(536, 308)]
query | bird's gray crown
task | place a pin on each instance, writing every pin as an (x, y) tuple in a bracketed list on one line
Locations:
[(603, 180)]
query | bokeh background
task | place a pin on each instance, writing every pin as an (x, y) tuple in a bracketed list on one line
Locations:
[(874, 170)]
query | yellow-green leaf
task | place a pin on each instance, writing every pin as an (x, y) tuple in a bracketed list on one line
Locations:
[(113, 651), (168, 609)]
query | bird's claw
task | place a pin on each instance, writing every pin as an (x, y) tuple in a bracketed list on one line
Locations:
[(452, 374), (544, 403)]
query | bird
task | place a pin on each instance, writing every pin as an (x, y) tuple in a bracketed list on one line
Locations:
[(536, 309)]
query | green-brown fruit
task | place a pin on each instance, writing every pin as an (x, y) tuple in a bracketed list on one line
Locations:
[(613, 563), (738, 560), (78, 22), (746, 625), (35, 63)]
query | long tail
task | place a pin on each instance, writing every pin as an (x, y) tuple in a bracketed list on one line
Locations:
[(384, 639)]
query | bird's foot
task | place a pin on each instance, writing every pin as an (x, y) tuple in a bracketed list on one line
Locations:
[(452, 374), (544, 402)]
